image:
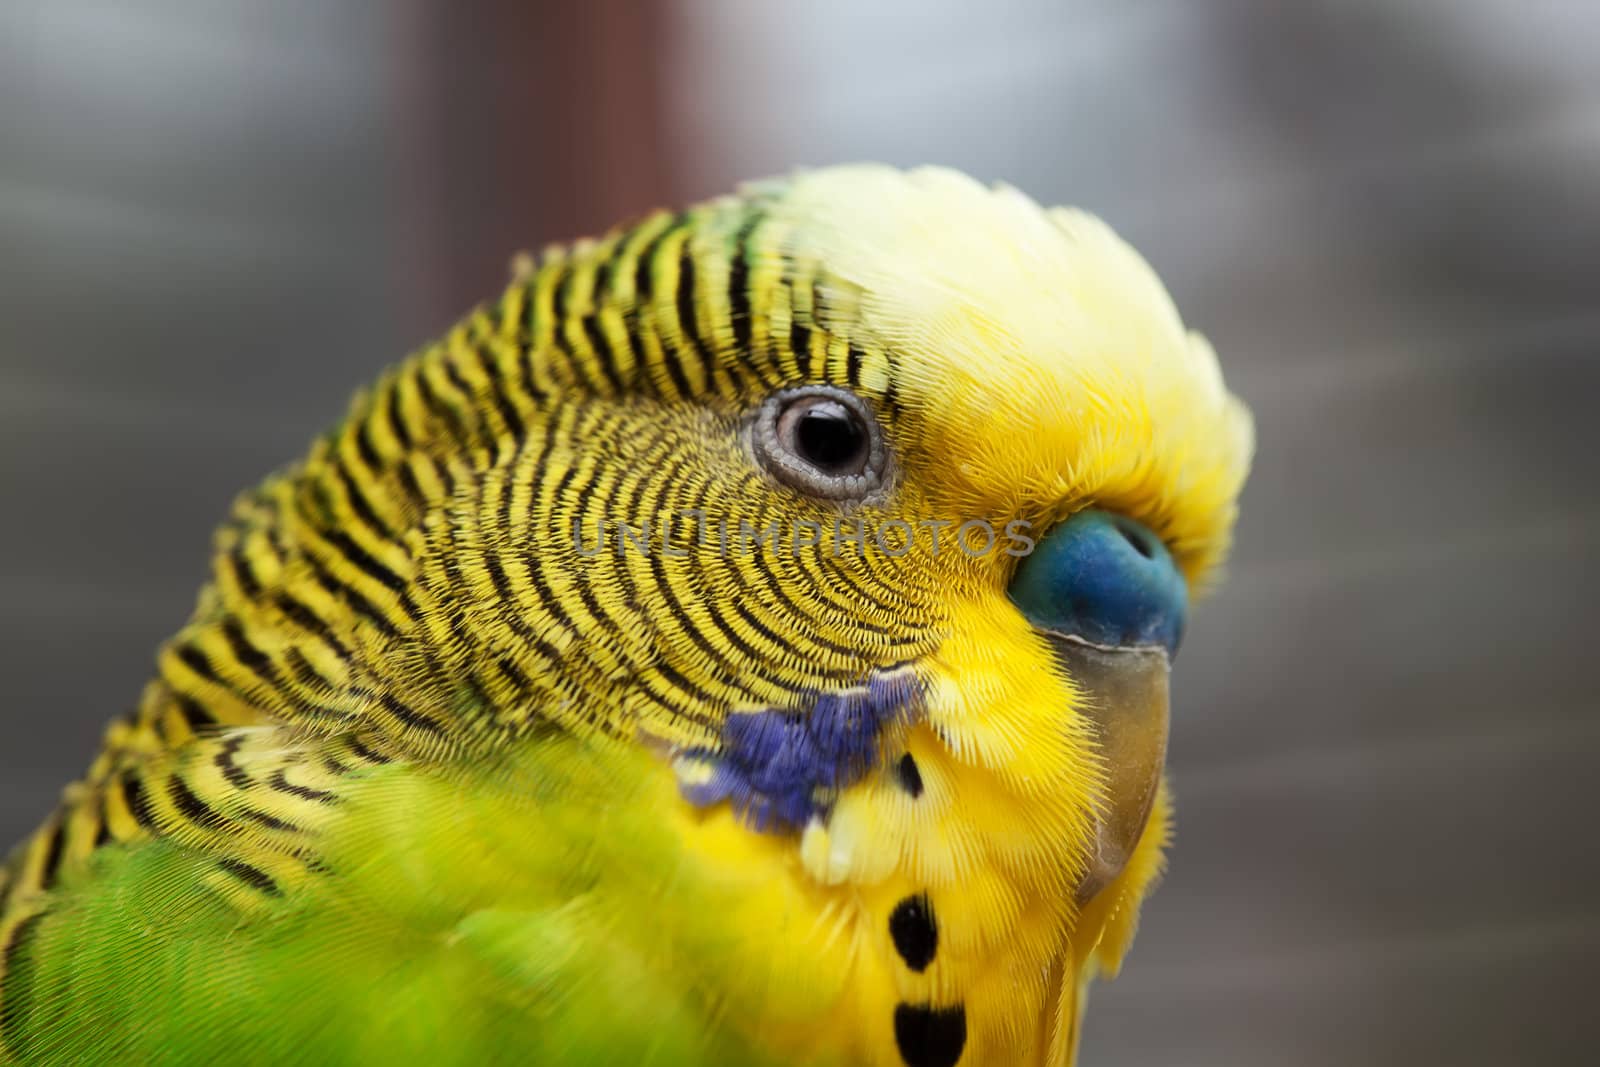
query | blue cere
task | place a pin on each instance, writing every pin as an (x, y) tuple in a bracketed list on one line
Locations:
[(1107, 579), (781, 766)]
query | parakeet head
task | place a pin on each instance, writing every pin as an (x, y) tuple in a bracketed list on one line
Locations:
[(807, 564), (860, 472)]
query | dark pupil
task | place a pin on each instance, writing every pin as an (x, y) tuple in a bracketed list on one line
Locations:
[(827, 436)]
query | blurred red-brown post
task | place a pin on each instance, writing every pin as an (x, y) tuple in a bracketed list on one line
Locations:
[(520, 123)]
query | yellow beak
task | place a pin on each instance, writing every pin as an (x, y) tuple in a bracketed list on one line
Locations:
[(1128, 703)]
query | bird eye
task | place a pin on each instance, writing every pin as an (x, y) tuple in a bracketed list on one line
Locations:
[(822, 441), (824, 433)]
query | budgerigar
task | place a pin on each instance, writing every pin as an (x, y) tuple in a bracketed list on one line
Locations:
[(744, 642)]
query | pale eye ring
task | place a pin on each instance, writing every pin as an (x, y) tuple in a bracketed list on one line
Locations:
[(822, 441)]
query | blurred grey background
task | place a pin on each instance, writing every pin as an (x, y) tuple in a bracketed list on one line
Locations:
[(218, 217)]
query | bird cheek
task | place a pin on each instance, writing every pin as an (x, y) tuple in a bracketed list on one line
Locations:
[(996, 698)]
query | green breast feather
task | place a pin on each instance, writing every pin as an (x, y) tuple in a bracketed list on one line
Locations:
[(395, 953)]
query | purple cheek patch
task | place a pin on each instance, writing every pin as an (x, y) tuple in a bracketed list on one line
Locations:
[(779, 767)]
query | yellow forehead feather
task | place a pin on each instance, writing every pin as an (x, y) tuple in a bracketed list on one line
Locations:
[(1041, 357)]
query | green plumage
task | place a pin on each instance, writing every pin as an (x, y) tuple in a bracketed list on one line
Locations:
[(401, 955)]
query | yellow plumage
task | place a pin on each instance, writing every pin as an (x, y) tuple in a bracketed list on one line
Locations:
[(418, 592)]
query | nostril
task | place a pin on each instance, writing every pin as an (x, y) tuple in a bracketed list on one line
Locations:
[(1138, 537), (1106, 578)]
